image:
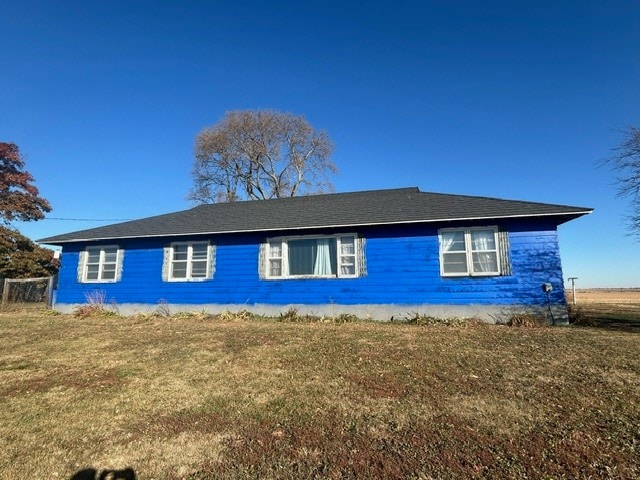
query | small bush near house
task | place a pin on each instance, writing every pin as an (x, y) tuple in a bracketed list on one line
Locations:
[(163, 309), (241, 315), (96, 306), (422, 319), (343, 318), (292, 315), (528, 321)]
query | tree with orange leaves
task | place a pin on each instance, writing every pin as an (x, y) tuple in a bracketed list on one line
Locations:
[(19, 198)]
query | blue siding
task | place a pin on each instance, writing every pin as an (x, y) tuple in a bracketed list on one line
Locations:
[(402, 268)]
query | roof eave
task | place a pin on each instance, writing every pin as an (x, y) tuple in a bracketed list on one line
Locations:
[(567, 216)]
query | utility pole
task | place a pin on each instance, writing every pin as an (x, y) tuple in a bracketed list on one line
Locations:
[(573, 287)]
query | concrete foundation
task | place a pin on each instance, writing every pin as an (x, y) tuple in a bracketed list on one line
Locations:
[(557, 314)]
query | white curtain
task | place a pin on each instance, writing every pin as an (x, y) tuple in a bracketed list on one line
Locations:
[(323, 258), (447, 241), (454, 256), (483, 261)]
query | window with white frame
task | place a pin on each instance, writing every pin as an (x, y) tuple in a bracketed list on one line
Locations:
[(188, 261), (100, 263), (334, 256), (476, 251)]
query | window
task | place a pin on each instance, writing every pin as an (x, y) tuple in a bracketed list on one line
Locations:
[(100, 264), (188, 261), (473, 252), (314, 257)]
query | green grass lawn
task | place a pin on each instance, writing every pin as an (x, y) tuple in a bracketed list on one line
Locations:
[(198, 398)]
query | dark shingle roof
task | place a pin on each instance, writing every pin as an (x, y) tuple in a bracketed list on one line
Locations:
[(377, 207)]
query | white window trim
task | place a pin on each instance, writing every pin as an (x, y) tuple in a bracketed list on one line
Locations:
[(189, 261), (101, 264), (284, 258), (469, 252)]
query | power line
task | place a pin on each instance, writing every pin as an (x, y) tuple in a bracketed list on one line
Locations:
[(89, 219)]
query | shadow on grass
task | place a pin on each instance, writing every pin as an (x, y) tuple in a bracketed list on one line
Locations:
[(93, 474), (609, 316)]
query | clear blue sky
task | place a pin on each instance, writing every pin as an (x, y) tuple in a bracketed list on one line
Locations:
[(507, 99)]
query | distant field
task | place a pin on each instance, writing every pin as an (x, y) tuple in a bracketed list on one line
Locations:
[(609, 307), (606, 295), (198, 397)]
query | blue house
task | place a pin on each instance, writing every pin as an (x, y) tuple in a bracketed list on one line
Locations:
[(374, 254)]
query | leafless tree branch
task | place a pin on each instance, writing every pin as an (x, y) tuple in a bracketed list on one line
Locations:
[(258, 155), (625, 161)]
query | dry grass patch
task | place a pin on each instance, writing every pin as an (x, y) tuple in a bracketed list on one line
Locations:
[(606, 307), (199, 397), (619, 316)]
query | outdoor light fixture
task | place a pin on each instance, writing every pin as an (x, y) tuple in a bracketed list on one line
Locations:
[(548, 288)]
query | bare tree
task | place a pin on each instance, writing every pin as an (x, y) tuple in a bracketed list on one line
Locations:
[(258, 155), (625, 160)]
